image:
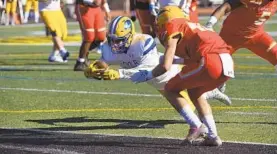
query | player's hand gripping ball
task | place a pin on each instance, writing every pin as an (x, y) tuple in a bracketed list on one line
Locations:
[(96, 70)]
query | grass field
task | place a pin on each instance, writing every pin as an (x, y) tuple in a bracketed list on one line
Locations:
[(41, 95)]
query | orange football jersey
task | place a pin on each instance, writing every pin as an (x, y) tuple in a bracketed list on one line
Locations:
[(249, 18), (196, 41)]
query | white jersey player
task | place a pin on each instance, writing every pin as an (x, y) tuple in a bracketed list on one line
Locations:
[(49, 5), (183, 4), (55, 22)]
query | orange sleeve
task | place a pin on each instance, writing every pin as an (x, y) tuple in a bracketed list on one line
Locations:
[(173, 29)]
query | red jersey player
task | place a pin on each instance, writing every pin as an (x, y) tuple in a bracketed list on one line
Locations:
[(92, 24), (244, 26), (208, 64)]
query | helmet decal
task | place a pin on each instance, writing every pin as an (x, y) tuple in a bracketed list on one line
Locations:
[(127, 25)]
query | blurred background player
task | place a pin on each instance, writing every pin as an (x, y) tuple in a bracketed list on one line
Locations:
[(208, 64), (146, 19), (244, 26), (135, 52), (189, 7), (133, 10), (11, 15), (70, 9), (93, 27), (55, 22), (34, 5)]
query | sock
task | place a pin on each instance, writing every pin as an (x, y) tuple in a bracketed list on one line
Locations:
[(81, 60), (190, 117), (12, 20), (26, 16), (208, 120), (36, 17), (63, 50)]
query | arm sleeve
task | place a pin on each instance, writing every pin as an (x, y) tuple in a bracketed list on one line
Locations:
[(234, 3)]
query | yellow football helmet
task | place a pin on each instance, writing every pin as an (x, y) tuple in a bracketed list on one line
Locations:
[(120, 35), (168, 13)]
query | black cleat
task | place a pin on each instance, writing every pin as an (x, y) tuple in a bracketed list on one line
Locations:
[(80, 66)]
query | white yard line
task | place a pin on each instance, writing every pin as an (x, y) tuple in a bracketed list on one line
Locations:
[(118, 93)]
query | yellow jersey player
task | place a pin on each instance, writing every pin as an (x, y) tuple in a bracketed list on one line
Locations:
[(55, 21), (31, 4), (11, 6)]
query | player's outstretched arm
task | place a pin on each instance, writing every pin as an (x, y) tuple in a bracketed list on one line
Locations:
[(222, 10), (217, 14)]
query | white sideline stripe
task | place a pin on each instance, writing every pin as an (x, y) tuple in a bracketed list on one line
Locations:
[(116, 135), (36, 149), (117, 93)]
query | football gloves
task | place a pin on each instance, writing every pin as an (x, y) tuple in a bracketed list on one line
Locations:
[(93, 71), (111, 74), (107, 74)]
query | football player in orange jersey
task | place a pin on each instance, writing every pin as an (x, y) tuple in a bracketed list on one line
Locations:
[(146, 19), (244, 26), (208, 64), (92, 24)]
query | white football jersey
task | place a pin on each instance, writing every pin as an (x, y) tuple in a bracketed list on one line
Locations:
[(180, 3), (141, 55), (49, 5)]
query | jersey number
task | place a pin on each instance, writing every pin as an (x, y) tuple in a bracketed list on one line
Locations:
[(265, 15)]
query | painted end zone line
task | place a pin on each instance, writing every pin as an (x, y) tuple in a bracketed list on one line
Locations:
[(118, 135), (119, 94)]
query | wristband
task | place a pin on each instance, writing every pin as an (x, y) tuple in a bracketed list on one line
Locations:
[(149, 75), (213, 20)]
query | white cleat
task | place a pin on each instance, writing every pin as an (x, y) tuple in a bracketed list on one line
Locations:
[(207, 141), (195, 133), (56, 58), (218, 95)]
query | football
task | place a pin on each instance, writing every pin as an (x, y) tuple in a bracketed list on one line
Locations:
[(101, 64)]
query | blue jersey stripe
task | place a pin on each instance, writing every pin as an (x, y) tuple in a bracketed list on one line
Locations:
[(149, 45)]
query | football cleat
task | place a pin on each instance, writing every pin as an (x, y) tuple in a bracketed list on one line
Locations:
[(56, 58), (64, 55), (207, 141), (80, 66), (218, 95), (195, 133)]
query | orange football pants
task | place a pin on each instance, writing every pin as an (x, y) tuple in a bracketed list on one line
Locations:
[(262, 44), (198, 79), (146, 21), (92, 22)]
